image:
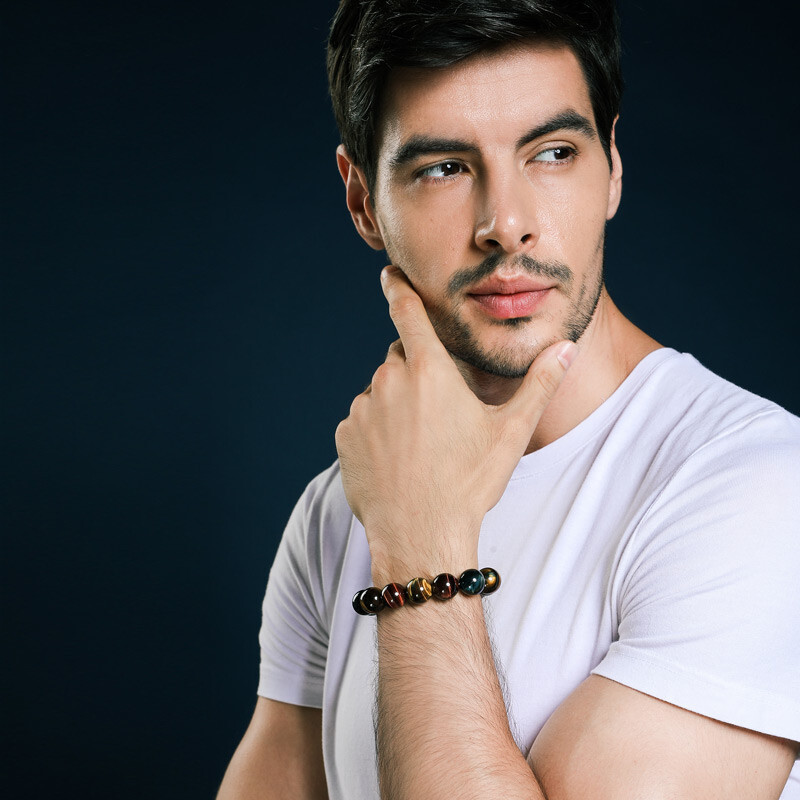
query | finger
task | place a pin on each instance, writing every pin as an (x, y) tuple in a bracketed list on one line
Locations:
[(541, 382), (409, 316), (396, 352)]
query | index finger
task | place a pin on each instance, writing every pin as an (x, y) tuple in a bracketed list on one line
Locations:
[(408, 315)]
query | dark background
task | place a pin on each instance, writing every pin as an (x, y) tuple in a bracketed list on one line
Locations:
[(187, 313)]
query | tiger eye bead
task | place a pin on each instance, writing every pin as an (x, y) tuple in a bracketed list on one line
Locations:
[(471, 581), (371, 600), (444, 586), (357, 603), (394, 595), (419, 590), (492, 577)]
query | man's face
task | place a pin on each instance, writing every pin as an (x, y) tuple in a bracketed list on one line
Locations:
[(492, 194)]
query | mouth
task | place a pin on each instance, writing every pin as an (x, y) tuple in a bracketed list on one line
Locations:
[(510, 298)]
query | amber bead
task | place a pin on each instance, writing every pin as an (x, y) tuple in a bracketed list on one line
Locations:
[(371, 600), (394, 595), (444, 586), (419, 590), (492, 577), (471, 581)]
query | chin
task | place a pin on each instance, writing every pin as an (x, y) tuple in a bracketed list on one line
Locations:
[(508, 362)]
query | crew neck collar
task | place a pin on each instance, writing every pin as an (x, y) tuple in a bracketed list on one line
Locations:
[(565, 446)]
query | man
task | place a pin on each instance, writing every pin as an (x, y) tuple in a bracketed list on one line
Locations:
[(641, 512)]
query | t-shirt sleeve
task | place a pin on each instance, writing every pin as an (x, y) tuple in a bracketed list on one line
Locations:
[(709, 594), (295, 614)]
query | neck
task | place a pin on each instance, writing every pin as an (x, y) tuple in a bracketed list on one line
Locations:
[(611, 346)]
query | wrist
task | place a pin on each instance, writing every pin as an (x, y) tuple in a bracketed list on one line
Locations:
[(418, 591), (391, 563)]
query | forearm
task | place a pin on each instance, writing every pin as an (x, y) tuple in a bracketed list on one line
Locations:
[(279, 756), (422, 461), (442, 721)]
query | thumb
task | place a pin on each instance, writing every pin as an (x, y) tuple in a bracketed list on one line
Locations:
[(541, 382)]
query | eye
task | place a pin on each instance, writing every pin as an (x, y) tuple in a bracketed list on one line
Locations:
[(555, 154), (447, 169)]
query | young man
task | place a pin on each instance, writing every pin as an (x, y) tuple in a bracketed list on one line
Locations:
[(641, 512)]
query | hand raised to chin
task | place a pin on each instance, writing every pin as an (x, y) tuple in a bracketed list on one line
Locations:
[(422, 458)]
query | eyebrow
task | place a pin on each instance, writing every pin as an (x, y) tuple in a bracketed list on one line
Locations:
[(565, 121), (421, 145)]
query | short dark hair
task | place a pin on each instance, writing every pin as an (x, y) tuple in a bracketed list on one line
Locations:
[(369, 38)]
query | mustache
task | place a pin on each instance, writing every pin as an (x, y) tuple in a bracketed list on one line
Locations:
[(547, 269)]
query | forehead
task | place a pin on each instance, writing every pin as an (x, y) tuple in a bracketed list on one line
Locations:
[(488, 97)]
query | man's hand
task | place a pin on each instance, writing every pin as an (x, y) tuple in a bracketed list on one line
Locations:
[(422, 458)]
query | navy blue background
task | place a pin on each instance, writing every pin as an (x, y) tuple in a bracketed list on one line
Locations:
[(188, 313)]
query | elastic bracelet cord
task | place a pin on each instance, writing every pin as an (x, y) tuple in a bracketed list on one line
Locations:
[(371, 600)]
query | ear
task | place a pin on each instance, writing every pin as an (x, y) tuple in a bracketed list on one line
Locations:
[(358, 202), (615, 186)]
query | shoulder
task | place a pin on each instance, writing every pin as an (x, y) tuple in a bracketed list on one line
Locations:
[(317, 535), (728, 462), (322, 519), (707, 581), (323, 503), (722, 507), (689, 418), (694, 400)]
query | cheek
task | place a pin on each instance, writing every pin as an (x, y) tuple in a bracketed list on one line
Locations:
[(425, 247), (576, 214)]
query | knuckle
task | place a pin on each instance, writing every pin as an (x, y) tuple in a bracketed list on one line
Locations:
[(340, 437), (404, 306), (358, 400), (381, 377), (396, 349), (548, 380)]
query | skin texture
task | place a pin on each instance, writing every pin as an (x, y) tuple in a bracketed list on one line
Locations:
[(279, 756), (429, 448), (495, 200)]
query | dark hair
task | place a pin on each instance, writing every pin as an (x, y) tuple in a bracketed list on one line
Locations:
[(370, 37)]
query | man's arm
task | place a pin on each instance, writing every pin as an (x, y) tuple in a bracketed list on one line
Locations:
[(609, 741), (279, 756), (422, 462), (443, 723)]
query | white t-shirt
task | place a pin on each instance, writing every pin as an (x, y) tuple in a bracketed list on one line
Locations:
[(656, 544)]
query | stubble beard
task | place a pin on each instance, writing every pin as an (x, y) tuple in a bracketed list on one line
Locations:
[(461, 342)]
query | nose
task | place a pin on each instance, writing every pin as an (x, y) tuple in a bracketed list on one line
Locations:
[(506, 214)]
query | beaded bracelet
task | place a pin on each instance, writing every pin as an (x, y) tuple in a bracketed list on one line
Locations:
[(371, 600)]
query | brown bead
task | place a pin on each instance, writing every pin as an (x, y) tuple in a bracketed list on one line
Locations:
[(371, 600), (444, 586), (394, 595), (419, 590), (492, 577), (357, 607)]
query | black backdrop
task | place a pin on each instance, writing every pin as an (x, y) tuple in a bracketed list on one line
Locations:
[(187, 314)]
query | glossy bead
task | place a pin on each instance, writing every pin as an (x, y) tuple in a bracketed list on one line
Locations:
[(371, 600), (471, 581), (394, 595), (357, 607), (444, 586), (419, 590), (492, 577)]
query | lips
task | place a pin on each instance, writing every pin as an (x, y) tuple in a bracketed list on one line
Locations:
[(510, 298)]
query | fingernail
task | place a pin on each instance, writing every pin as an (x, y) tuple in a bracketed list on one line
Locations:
[(566, 354), (386, 272)]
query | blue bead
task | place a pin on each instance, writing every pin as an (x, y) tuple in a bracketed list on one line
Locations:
[(471, 581)]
